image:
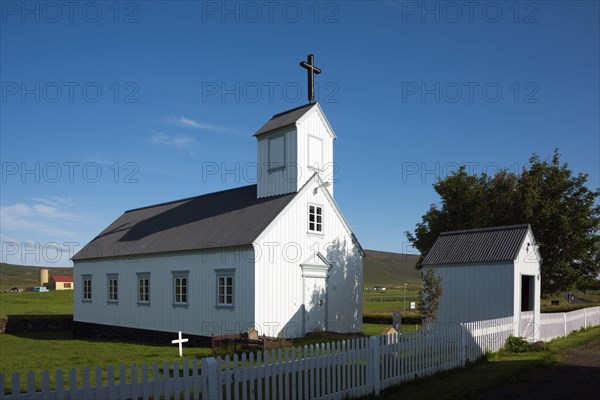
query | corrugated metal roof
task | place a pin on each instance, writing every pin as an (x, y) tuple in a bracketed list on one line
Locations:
[(285, 118), (223, 219), (501, 243)]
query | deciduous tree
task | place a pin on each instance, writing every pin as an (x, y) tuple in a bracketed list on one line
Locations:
[(564, 215)]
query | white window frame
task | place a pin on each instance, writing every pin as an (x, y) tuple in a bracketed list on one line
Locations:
[(318, 226), (225, 280), (181, 299), (86, 288), (112, 288), (143, 290)]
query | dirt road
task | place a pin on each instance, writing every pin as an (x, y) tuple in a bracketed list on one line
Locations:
[(577, 376)]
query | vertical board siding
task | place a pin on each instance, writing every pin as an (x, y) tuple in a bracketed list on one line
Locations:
[(281, 181), (475, 292), (282, 249), (160, 314), (347, 369)]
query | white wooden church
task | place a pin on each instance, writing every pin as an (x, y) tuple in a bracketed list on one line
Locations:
[(278, 256)]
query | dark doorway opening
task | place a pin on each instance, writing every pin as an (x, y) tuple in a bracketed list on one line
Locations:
[(527, 292)]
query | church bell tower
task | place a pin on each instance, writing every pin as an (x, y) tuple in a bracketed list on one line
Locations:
[(294, 145)]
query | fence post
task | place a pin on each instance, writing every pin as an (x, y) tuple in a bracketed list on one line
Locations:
[(463, 344), (585, 318), (565, 322), (209, 367), (375, 364)]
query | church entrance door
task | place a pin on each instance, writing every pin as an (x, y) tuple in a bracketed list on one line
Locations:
[(315, 304)]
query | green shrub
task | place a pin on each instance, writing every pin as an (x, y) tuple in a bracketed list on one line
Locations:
[(517, 344)]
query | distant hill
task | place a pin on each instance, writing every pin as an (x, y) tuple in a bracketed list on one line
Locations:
[(23, 276), (390, 269)]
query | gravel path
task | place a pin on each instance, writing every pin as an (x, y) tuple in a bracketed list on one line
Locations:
[(577, 376)]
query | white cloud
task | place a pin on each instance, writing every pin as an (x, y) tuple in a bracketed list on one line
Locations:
[(39, 218), (172, 140), (31, 252), (191, 123), (53, 200)]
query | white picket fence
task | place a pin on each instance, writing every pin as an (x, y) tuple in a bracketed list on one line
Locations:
[(344, 369), (553, 325)]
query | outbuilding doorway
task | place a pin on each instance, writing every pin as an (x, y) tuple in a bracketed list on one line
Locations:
[(527, 293)]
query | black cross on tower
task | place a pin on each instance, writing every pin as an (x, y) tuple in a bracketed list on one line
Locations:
[(309, 64)]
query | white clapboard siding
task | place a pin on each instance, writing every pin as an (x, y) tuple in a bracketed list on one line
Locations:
[(160, 314), (344, 369), (278, 181), (280, 252)]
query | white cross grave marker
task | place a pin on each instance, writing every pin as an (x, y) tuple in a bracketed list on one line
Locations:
[(180, 342)]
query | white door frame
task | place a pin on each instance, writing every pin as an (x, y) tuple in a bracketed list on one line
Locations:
[(314, 271)]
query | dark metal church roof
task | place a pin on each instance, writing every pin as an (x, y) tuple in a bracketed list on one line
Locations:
[(500, 243), (232, 217), (285, 118)]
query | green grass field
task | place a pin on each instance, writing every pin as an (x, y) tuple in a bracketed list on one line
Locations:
[(40, 351), (391, 270), (54, 302), (564, 306), (376, 302)]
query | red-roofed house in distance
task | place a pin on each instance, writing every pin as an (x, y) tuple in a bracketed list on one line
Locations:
[(60, 282)]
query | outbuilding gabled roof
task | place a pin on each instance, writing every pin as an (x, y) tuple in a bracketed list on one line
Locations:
[(229, 218), (500, 243)]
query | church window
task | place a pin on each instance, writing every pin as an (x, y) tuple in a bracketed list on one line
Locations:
[(113, 288), (87, 288), (277, 152), (180, 288), (225, 287), (315, 218), (143, 287)]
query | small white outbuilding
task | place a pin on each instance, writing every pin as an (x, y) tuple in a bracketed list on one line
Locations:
[(487, 274)]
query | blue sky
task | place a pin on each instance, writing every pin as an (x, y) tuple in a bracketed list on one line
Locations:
[(109, 106)]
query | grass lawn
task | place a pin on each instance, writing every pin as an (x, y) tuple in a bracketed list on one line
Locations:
[(377, 302), (564, 306), (54, 302), (53, 350), (498, 368), (391, 294)]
